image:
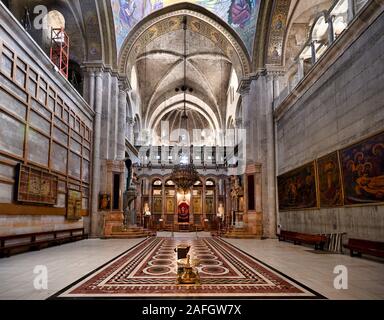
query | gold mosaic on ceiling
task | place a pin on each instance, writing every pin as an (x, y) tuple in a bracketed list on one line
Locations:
[(277, 33)]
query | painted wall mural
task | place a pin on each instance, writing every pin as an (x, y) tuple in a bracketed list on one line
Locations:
[(241, 15), (363, 171), (351, 176), (330, 187), (297, 188)]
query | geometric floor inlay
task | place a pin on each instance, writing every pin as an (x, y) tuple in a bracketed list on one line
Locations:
[(149, 270)]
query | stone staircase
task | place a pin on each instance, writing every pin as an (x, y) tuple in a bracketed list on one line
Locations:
[(129, 233), (239, 233)]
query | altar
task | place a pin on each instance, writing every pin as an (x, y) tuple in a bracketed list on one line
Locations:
[(184, 226)]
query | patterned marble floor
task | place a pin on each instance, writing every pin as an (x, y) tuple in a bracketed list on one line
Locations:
[(71, 262), (150, 270)]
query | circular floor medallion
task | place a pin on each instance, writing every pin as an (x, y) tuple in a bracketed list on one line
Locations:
[(214, 270), (210, 262), (160, 262), (206, 257), (157, 270), (164, 257)]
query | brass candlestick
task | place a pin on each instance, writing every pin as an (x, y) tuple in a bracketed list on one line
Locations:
[(188, 275)]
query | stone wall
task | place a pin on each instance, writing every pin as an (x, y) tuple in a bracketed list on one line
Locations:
[(345, 105), (45, 124)]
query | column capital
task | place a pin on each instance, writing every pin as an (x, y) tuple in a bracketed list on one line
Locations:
[(92, 68), (238, 122), (244, 86), (124, 85), (130, 121)]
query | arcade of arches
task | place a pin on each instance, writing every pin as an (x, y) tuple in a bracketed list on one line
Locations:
[(276, 104)]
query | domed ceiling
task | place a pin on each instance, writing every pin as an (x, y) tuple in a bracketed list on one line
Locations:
[(241, 15)]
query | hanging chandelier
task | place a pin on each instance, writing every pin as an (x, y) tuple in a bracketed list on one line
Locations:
[(184, 174)]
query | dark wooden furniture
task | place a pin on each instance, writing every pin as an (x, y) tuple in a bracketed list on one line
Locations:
[(299, 238), (359, 246), (35, 241)]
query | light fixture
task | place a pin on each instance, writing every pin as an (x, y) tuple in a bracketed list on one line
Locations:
[(184, 174)]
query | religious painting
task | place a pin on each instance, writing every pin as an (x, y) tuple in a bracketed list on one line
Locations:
[(104, 201), (74, 199), (183, 212), (297, 188), (241, 15), (170, 205), (209, 205), (241, 204), (330, 187), (363, 171), (197, 205), (157, 205), (35, 186)]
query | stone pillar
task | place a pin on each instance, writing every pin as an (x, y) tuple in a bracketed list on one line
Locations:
[(130, 126), (269, 213), (300, 70), (113, 118), (121, 124), (258, 109), (313, 52), (351, 10), (89, 85), (331, 32), (95, 219)]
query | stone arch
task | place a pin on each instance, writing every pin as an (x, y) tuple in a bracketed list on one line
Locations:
[(170, 18)]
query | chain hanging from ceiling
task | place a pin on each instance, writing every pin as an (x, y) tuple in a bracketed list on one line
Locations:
[(184, 175)]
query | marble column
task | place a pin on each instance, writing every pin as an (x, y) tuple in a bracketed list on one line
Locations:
[(95, 219)]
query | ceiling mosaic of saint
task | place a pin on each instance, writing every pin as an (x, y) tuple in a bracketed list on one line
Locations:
[(241, 15)]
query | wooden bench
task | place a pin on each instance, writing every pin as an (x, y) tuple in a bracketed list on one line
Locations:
[(298, 238), (35, 241), (359, 246)]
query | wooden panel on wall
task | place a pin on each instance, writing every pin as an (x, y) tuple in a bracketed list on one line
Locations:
[(59, 132)]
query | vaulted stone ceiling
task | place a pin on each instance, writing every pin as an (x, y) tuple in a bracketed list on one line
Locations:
[(157, 54), (160, 72)]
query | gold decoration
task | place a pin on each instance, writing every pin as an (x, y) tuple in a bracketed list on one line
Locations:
[(74, 199)]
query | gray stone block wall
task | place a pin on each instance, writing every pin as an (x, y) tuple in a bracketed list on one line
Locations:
[(345, 105)]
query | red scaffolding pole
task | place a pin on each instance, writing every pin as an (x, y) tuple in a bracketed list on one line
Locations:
[(59, 52)]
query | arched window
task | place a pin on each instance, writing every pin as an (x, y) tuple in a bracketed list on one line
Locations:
[(157, 183), (53, 20), (170, 183)]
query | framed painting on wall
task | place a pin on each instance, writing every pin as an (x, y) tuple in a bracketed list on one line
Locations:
[(157, 205), (74, 200), (104, 201), (170, 205), (363, 171), (197, 205), (297, 188), (330, 187), (209, 202), (35, 186)]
